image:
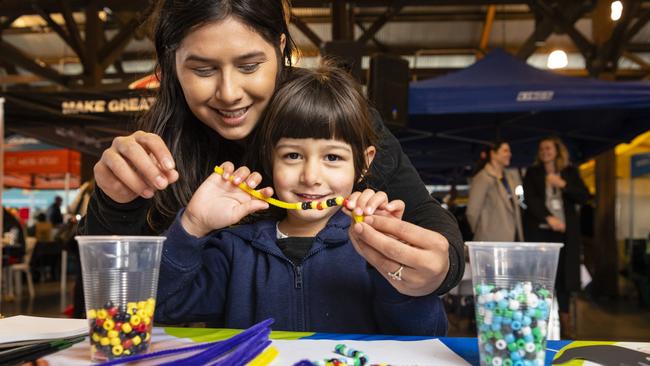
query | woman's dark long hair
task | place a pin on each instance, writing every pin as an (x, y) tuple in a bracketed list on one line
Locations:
[(486, 155), (195, 147)]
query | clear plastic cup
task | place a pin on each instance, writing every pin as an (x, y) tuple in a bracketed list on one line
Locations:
[(120, 277), (513, 293)]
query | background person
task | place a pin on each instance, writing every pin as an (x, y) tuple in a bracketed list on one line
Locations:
[(493, 207), (554, 193), (220, 63)]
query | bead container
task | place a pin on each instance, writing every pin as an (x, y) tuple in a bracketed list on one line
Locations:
[(120, 278), (513, 292)]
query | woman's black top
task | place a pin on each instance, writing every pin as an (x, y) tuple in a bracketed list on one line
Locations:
[(391, 172)]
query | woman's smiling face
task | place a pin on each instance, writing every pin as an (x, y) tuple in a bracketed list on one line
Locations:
[(227, 73)]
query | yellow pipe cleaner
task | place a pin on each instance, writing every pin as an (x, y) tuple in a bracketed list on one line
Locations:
[(289, 206)]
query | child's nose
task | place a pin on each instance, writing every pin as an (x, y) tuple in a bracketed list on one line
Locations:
[(311, 173)]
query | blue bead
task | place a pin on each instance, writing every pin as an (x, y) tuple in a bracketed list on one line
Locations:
[(490, 305), (542, 305), (526, 320), (503, 304), (517, 315), (497, 319), (483, 327), (529, 338), (516, 325), (496, 326), (518, 363), (507, 320), (515, 356), (489, 348), (509, 338), (530, 312)]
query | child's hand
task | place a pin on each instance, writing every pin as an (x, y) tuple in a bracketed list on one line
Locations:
[(219, 203), (370, 202)]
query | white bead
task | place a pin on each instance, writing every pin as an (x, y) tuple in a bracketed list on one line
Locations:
[(528, 287), (500, 344), (529, 347), (533, 301), (497, 361), (481, 311), (498, 296), (513, 305), (526, 330), (541, 324)]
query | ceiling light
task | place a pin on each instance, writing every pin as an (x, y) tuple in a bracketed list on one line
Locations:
[(557, 60), (617, 10)]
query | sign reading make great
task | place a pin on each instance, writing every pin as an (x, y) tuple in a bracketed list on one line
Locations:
[(116, 105)]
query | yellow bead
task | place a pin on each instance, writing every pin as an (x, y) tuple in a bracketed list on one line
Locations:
[(149, 310), (96, 337), (339, 200), (135, 320), (115, 341), (91, 314), (141, 313), (117, 350), (147, 337), (151, 301), (126, 328), (127, 352), (312, 205), (141, 304), (113, 334), (109, 324), (104, 341), (136, 340), (101, 314)]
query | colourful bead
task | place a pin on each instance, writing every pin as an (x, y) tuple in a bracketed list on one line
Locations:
[(102, 314), (104, 341), (136, 340), (117, 350), (126, 328), (115, 341), (135, 320), (113, 334), (108, 324), (91, 314)]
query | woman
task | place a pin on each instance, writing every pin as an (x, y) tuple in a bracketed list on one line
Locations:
[(493, 208), (554, 193), (220, 62)]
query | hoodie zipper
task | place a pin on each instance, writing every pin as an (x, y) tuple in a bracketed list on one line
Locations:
[(297, 270)]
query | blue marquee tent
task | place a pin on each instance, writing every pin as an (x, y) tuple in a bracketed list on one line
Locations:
[(453, 116)]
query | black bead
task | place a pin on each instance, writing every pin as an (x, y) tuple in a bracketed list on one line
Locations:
[(108, 305), (331, 202), (306, 205)]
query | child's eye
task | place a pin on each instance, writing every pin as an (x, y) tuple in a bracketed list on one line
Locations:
[(292, 156), (249, 68), (332, 157)]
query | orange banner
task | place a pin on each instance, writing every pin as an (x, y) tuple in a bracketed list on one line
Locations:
[(42, 162)]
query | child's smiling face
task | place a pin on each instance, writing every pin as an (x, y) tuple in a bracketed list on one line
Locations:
[(311, 170)]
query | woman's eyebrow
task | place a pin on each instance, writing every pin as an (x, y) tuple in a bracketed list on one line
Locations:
[(251, 55)]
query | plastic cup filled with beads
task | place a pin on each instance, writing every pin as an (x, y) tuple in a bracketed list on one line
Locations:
[(513, 292), (120, 278)]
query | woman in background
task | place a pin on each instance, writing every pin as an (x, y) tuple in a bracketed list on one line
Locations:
[(554, 193), (493, 208)]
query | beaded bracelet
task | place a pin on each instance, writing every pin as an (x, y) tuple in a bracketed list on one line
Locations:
[(307, 205)]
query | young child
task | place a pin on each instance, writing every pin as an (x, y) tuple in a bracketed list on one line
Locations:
[(315, 141)]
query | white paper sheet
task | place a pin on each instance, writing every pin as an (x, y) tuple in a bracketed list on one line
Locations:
[(395, 353), (26, 328)]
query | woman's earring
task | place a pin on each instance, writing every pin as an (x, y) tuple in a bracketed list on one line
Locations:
[(363, 175)]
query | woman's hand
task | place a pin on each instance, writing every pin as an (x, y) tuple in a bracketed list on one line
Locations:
[(416, 258), (555, 180), (555, 224), (135, 165), (370, 202), (219, 203)]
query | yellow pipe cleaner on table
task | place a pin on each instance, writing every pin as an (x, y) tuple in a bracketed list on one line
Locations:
[(308, 205)]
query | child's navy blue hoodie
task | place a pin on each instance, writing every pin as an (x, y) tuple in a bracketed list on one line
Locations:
[(238, 276)]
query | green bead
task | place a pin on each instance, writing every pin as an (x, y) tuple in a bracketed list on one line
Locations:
[(498, 335), (512, 347), (483, 338), (538, 348), (521, 344), (488, 359), (498, 311), (537, 331), (521, 298), (507, 362), (538, 314), (489, 334), (508, 314)]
